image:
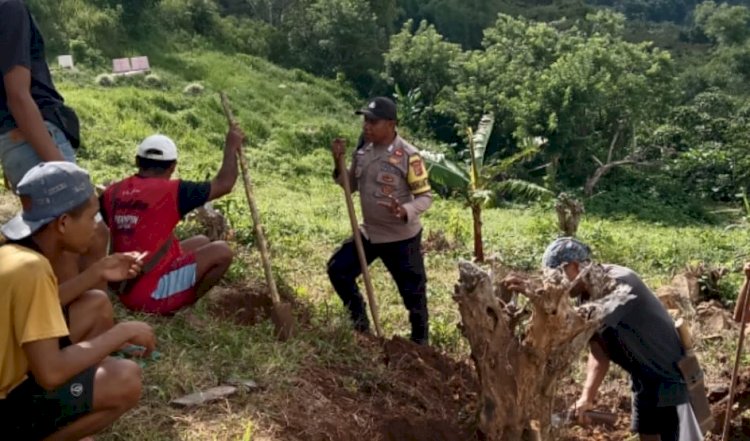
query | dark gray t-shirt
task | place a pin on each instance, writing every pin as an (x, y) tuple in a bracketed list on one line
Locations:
[(641, 337), (21, 44)]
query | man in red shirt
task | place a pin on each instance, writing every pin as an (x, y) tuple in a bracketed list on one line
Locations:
[(142, 212)]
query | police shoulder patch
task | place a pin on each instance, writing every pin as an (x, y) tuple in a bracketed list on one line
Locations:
[(417, 177)]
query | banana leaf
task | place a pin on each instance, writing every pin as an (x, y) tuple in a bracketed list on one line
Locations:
[(445, 172), (481, 138), (522, 189)]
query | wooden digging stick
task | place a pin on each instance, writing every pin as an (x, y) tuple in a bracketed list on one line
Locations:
[(733, 384), (344, 174), (281, 314)]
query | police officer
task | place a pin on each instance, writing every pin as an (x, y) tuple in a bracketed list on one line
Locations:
[(394, 190)]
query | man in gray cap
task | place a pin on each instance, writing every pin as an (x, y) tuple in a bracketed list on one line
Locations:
[(639, 336), (49, 388), (394, 190)]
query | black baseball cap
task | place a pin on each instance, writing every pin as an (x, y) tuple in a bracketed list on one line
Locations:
[(379, 108)]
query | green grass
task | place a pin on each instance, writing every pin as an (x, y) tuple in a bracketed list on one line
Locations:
[(290, 118)]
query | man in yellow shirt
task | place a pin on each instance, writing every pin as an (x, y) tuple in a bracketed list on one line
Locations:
[(49, 392)]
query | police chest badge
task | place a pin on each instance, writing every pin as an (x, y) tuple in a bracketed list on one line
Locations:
[(387, 178), (396, 157)]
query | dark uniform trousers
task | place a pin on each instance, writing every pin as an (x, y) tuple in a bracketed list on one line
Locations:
[(404, 261)]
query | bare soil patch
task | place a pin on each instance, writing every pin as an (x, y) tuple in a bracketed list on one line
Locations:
[(244, 305), (250, 304), (9, 205), (405, 392), (418, 395)]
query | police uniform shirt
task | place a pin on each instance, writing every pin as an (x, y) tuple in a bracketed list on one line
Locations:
[(397, 170)]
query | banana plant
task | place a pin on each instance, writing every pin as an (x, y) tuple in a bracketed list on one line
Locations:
[(475, 178)]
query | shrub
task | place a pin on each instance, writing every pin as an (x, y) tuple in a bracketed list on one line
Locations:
[(153, 80), (83, 53), (105, 80), (193, 89)]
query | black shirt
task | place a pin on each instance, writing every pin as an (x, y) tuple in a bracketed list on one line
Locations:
[(190, 195), (641, 337), (21, 44)]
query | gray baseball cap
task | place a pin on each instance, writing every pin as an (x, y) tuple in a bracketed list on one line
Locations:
[(48, 191), (565, 250)]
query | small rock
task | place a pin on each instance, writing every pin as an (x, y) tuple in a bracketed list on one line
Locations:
[(718, 392), (675, 299), (247, 385), (204, 397), (714, 320), (688, 286)]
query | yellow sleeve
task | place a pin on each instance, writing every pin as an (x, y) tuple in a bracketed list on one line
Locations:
[(37, 313), (418, 179)]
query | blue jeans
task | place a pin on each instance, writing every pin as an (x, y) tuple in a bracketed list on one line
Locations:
[(17, 156)]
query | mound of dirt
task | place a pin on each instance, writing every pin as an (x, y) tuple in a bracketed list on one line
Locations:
[(420, 395), (619, 403), (437, 242), (740, 427), (615, 400), (247, 305), (244, 305)]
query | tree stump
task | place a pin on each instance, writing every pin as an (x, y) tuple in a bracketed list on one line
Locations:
[(520, 352), (569, 212), (213, 223)]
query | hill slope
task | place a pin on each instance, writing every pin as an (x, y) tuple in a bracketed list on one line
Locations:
[(323, 384)]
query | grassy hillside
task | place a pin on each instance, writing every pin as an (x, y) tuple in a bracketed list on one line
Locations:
[(290, 118)]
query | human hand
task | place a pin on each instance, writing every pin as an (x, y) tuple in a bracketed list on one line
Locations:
[(338, 149), (121, 266), (516, 283), (746, 269), (140, 334), (395, 207), (235, 137), (579, 409)]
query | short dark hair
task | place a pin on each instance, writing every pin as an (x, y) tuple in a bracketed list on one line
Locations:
[(155, 165)]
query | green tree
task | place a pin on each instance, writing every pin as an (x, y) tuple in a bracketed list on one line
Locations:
[(419, 65), (268, 11), (388, 13), (728, 65), (725, 24), (586, 89), (336, 37), (709, 139), (421, 59), (79, 26)]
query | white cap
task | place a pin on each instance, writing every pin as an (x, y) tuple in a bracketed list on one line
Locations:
[(158, 147)]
